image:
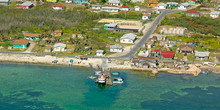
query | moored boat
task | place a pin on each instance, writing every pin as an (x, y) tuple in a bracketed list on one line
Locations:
[(115, 73), (101, 79), (204, 72), (118, 81), (92, 77)]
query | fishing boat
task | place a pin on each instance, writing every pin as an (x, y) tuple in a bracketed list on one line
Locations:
[(204, 72), (92, 77), (98, 72), (118, 81), (101, 79), (115, 73)]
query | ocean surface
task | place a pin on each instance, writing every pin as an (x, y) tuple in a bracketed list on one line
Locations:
[(42, 87)]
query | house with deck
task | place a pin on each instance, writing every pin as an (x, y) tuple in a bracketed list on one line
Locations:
[(109, 8), (59, 47), (201, 55), (99, 52), (184, 6), (125, 8), (31, 36), (26, 5), (186, 49), (192, 13), (4, 2), (59, 6), (128, 38), (114, 2), (116, 48), (214, 14), (21, 43), (111, 26)]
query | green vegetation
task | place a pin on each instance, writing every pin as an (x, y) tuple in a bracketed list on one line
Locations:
[(203, 25)]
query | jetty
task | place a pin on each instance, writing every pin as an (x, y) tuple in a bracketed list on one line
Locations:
[(106, 72)]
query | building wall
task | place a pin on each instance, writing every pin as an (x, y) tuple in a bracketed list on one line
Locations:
[(19, 46)]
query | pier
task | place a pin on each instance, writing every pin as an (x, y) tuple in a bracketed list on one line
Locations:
[(106, 72)]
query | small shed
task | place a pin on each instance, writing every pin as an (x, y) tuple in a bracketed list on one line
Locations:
[(100, 53)]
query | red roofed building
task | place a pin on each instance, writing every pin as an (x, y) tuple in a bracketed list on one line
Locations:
[(192, 13), (59, 6), (167, 54), (125, 8)]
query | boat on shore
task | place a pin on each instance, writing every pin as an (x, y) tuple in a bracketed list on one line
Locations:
[(118, 81)]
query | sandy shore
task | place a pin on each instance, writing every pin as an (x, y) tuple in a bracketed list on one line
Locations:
[(118, 64)]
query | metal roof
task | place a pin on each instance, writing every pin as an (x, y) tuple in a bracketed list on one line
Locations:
[(116, 47), (201, 54), (99, 51), (59, 45), (130, 36), (111, 25), (28, 3)]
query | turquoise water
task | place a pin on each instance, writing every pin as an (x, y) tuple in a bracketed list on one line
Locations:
[(41, 87)]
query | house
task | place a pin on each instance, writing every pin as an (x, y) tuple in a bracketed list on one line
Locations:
[(173, 30), (4, 2), (96, 7), (146, 17), (201, 55), (186, 49), (109, 8), (114, 2), (111, 26), (167, 54), (214, 14), (184, 6), (57, 33), (116, 48), (99, 52), (125, 8), (191, 43), (31, 36), (48, 49), (146, 12), (59, 6), (161, 6), (69, 1), (145, 62), (149, 44), (52, 0), (159, 37), (172, 4), (137, 8), (21, 43), (26, 5), (135, 1), (152, 3), (59, 47), (81, 1), (192, 13), (128, 38)]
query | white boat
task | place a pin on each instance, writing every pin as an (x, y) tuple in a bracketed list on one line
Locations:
[(101, 79), (98, 72), (92, 77), (118, 81)]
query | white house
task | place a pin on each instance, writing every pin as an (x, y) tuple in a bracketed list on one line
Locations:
[(115, 2), (96, 7), (214, 14), (146, 17), (99, 52), (59, 47), (135, 1), (128, 38), (59, 6), (69, 1), (116, 48), (184, 6), (4, 2), (125, 8), (136, 8), (161, 6), (108, 8)]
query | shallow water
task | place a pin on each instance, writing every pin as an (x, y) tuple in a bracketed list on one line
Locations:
[(31, 87)]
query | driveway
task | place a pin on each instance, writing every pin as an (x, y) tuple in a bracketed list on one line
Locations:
[(30, 48)]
